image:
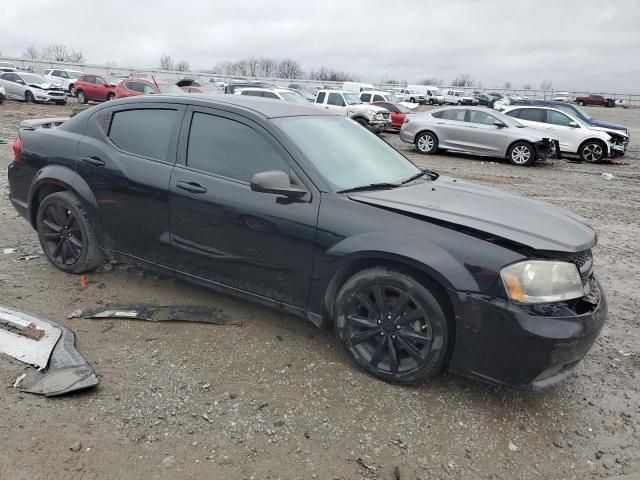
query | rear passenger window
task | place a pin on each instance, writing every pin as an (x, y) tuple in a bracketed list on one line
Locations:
[(378, 98), (532, 114), (231, 149), (515, 113), (320, 97), (456, 115), (365, 97), (143, 132)]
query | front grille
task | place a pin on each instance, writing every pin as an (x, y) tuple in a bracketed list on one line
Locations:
[(584, 261), (56, 94)]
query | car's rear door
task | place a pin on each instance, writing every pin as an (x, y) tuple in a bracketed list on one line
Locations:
[(483, 136), (223, 231), (89, 86), (126, 157)]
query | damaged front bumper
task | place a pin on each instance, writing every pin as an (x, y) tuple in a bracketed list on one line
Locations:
[(530, 347)]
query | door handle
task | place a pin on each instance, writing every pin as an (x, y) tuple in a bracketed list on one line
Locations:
[(191, 187), (95, 161)]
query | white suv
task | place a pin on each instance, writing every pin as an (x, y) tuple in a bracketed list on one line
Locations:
[(348, 104), (64, 77)]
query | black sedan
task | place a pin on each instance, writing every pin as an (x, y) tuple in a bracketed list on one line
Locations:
[(306, 211)]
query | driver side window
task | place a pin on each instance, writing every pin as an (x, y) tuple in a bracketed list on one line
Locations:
[(335, 99)]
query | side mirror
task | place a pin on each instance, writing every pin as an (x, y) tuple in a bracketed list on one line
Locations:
[(499, 124), (276, 182), (574, 125)]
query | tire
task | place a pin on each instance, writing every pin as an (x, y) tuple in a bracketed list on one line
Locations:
[(459, 102), (28, 97), (363, 122), (582, 104), (82, 97), (392, 326), (67, 235), (412, 100), (426, 143), (521, 154), (111, 96), (592, 151), (431, 101)]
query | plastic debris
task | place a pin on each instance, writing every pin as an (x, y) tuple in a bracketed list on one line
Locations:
[(607, 176), (9, 251), (158, 313)]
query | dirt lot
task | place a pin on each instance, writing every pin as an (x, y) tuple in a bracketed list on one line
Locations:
[(276, 398)]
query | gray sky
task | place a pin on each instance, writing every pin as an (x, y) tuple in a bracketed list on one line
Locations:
[(578, 45)]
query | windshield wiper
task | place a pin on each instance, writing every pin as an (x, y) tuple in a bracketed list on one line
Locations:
[(371, 186), (416, 176)]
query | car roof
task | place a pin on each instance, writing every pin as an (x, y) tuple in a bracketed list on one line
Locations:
[(265, 89), (263, 106)]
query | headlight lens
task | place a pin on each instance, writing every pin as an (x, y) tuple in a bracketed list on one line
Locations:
[(541, 281), (378, 116)]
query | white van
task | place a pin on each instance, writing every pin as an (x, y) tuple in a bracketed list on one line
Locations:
[(432, 94), (357, 87)]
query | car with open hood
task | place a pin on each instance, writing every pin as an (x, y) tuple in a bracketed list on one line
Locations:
[(301, 209), (576, 138), (479, 131), (64, 77), (32, 88)]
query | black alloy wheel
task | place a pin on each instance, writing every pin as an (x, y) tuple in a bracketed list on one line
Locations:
[(66, 235), (392, 326)]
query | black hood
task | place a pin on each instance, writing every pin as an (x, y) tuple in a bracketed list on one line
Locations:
[(532, 223)]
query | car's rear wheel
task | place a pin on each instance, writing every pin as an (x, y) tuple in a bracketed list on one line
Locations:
[(111, 96), (426, 143), (459, 102), (66, 234), (28, 97), (521, 154), (592, 151), (82, 97), (392, 325)]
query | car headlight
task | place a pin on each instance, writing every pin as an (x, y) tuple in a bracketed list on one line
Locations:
[(378, 116), (542, 281)]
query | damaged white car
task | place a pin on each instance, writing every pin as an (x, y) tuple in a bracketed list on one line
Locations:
[(32, 88)]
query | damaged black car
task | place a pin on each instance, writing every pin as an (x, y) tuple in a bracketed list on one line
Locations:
[(304, 210)]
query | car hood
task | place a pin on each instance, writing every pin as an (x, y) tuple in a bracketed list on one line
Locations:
[(44, 85), (608, 126), (524, 221), (364, 107)]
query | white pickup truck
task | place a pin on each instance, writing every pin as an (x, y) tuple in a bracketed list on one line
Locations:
[(348, 104)]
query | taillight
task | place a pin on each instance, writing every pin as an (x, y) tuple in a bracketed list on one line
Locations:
[(17, 149)]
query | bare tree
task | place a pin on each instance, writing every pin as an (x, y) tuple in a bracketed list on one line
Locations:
[(56, 52), (546, 85), (166, 62), (430, 81), (527, 86), (252, 66), (75, 56), (507, 85), (31, 53), (463, 80), (268, 67), (219, 68), (182, 66), (289, 68)]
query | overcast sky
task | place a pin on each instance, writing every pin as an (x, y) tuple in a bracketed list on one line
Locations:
[(578, 45)]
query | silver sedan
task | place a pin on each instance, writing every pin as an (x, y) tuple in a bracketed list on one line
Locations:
[(32, 88), (479, 131)]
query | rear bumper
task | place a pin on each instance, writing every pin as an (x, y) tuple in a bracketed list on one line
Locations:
[(527, 347)]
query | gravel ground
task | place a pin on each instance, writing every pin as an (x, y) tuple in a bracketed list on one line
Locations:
[(276, 398)]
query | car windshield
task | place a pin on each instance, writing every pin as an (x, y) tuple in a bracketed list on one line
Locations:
[(344, 153), (32, 78), (164, 88), (351, 99), (294, 97)]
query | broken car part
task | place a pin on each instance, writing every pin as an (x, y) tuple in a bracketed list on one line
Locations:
[(49, 347), (158, 313)]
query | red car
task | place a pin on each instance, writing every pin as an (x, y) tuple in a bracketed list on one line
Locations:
[(398, 113), (597, 100), (89, 86), (130, 87)]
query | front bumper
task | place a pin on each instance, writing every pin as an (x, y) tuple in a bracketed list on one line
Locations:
[(528, 347), (379, 125), (51, 97)]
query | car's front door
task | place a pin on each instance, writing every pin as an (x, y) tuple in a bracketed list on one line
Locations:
[(559, 126), (483, 136), (10, 85), (222, 230), (336, 102), (100, 89), (126, 157)]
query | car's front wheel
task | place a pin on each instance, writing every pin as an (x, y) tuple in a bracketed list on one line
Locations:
[(521, 154), (592, 151), (28, 97), (66, 234), (392, 325), (426, 143)]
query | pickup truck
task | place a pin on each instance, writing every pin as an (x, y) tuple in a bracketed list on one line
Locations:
[(598, 100), (376, 119)]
